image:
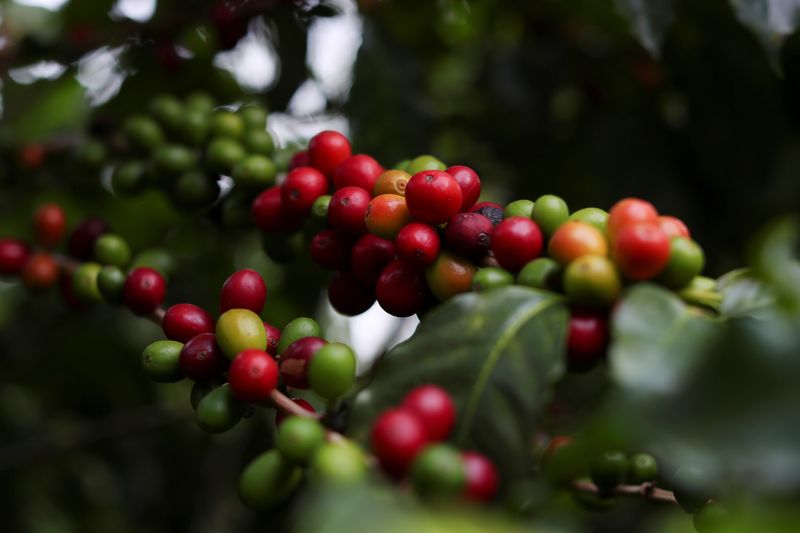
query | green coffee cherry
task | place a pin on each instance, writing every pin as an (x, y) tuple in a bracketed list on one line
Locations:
[(519, 208), (592, 280), (195, 126), (200, 390), (111, 283), (297, 329), (402, 165), (253, 116), (608, 470), (438, 472), (549, 212), (424, 162), (686, 261), (160, 361), (224, 153), (92, 154), (255, 171), (200, 101), (339, 463), (174, 159), (157, 259), (283, 247), (111, 249), (642, 467), (195, 189), (268, 480), (238, 330), (332, 371), (236, 210), (84, 282), (491, 278), (219, 410), (298, 437), (591, 215), (689, 486), (226, 123), (167, 110), (259, 142), (143, 133), (542, 273), (128, 177), (319, 209)]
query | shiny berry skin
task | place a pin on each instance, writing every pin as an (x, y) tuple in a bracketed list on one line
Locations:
[(269, 214), (469, 235), (253, 375), (417, 243), (41, 271), (592, 280), (369, 257), (482, 477), (327, 149), (357, 171), (438, 473), (81, 241), (300, 159), (295, 360), (515, 242), (629, 211), (273, 338), (348, 296), (244, 289), (302, 186), (50, 224), (450, 275), (391, 182), (347, 210), (549, 212), (280, 416), (686, 261), (201, 358), (433, 196), (332, 372), (297, 329), (435, 409), (331, 249), (673, 227), (182, 322), (469, 182), (397, 437), (401, 289), (587, 339), (386, 215), (144, 290), (608, 470), (494, 212), (13, 256), (574, 239), (641, 251), (642, 467)]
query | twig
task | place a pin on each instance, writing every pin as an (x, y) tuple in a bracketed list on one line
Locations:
[(646, 490)]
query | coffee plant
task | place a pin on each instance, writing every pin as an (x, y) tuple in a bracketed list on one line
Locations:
[(187, 280)]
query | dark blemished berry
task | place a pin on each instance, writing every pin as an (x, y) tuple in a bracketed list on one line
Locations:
[(244, 289), (587, 339), (253, 375), (201, 358), (331, 250), (81, 241), (273, 338), (469, 235), (417, 243), (269, 214), (326, 150), (347, 210), (50, 224), (295, 360), (357, 171), (494, 212), (182, 322), (482, 478), (348, 296), (369, 257), (515, 242), (13, 256), (401, 289), (433, 196), (397, 437), (144, 290), (469, 182), (301, 188), (280, 416), (435, 409)]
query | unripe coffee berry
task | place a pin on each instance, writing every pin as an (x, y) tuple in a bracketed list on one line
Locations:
[(549, 212), (298, 438), (433, 196), (182, 322), (391, 182), (111, 249), (450, 275), (332, 371), (297, 329), (144, 290), (111, 283), (574, 239), (491, 278), (161, 361), (238, 330), (608, 470), (386, 215), (253, 375), (642, 468), (438, 472), (295, 360), (84, 282)]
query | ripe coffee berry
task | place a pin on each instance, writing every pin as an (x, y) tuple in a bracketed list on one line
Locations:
[(450, 275), (629, 211), (401, 289), (433, 196), (348, 296), (144, 290), (295, 360), (327, 149), (347, 210), (40, 271), (469, 182), (386, 215), (50, 224), (435, 409), (269, 214), (273, 338), (397, 437), (391, 182), (673, 227), (81, 241), (357, 171), (244, 289), (253, 375), (574, 239), (13, 256), (482, 478), (515, 242), (300, 159), (587, 339), (469, 235), (280, 416), (302, 186), (201, 358), (183, 322), (641, 250), (494, 212), (417, 243), (331, 249), (369, 257)]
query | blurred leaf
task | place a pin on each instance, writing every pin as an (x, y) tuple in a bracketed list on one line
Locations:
[(774, 260), (43, 109), (649, 21), (743, 294), (771, 20), (497, 353), (658, 341)]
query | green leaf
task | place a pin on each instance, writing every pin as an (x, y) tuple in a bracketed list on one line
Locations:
[(497, 353), (657, 340), (43, 109), (771, 20), (649, 20), (774, 260), (743, 293)]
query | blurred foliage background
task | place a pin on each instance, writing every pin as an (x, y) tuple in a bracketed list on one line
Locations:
[(539, 96)]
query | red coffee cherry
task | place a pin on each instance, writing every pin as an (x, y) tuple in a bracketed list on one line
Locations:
[(183, 322), (302, 186), (81, 241), (482, 478), (201, 359), (417, 243), (13, 256), (629, 211), (273, 338), (469, 182), (300, 159), (434, 408), (32, 155), (433, 196), (295, 359), (469, 235), (347, 210), (253, 375), (327, 149), (494, 212), (515, 242), (331, 249), (280, 416), (50, 224), (673, 227), (401, 289), (144, 290), (641, 250), (244, 289), (41, 271), (269, 214), (369, 257), (348, 296), (357, 171), (67, 289), (587, 339), (397, 437)]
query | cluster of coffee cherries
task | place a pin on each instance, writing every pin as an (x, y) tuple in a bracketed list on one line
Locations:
[(409, 442)]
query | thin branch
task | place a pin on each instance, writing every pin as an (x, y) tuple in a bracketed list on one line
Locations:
[(646, 490)]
